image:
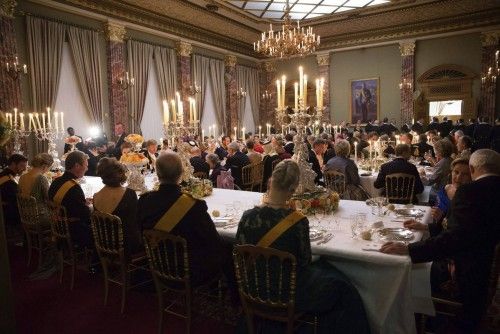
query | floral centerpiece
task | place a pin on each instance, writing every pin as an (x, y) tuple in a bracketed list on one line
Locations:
[(135, 162), (198, 188), (319, 199), (135, 139), (133, 158)]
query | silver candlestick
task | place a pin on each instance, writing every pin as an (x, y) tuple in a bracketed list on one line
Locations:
[(51, 135)]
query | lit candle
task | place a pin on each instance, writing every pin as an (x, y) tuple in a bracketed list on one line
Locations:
[(181, 110), (203, 135), (37, 118), (22, 121), (15, 117), (260, 131), (30, 120), (195, 115), (317, 94), (235, 133), (25, 69), (174, 112), (283, 85), (356, 152), (278, 95), (166, 116), (49, 124), (62, 121), (305, 90), (301, 82), (215, 131), (243, 133), (190, 109), (56, 116), (321, 88), (43, 121), (209, 130), (296, 95)]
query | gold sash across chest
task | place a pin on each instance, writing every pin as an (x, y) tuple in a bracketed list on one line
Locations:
[(5, 178), (63, 190), (175, 214), (280, 228)]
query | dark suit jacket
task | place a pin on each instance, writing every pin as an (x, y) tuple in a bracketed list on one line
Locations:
[(199, 165), (221, 152), (289, 147), (418, 128), (495, 138), (473, 231), (399, 165), (236, 162), (117, 151), (422, 148), (315, 165), (433, 126), (76, 209), (215, 173), (9, 199), (78, 146), (386, 129), (445, 128), (203, 242), (469, 129), (482, 134)]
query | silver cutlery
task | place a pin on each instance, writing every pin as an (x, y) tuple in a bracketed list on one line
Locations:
[(326, 238), (229, 226), (370, 249)]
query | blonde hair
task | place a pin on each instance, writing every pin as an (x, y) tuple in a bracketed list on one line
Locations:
[(286, 176), (42, 160)]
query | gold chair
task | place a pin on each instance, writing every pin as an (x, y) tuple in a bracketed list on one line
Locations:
[(399, 188), (37, 234), (258, 176), (168, 261), (108, 237), (201, 175), (67, 253), (247, 178), (335, 181), (266, 282), (451, 308)]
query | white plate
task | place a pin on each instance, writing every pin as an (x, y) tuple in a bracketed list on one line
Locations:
[(396, 234), (409, 213), (315, 234)]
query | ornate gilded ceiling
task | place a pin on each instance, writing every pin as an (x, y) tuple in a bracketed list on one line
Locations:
[(232, 28)]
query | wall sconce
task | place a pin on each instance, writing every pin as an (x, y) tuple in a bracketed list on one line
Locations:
[(13, 69), (126, 82), (266, 96), (241, 93), (193, 90), (405, 84)]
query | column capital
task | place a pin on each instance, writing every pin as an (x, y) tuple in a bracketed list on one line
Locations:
[(490, 38), (115, 32), (267, 66), (184, 49), (407, 48), (7, 8), (230, 60), (323, 59)]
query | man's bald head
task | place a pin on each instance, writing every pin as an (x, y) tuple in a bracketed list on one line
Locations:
[(169, 168)]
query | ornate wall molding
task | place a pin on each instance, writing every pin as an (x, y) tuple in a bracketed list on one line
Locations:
[(115, 32), (407, 48), (230, 60), (490, 38), (7, 7), (184, 49), (323, 59), (268, 66)]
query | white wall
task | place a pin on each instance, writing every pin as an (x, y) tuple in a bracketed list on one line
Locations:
[(152, 120)]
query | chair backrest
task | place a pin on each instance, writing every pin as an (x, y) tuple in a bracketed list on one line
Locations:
[(274, 163), (28, 211), (225, 180), (335, 180), (168, 255), (266, 281), (258, 173), (201, 175), (247, 177), (59, 224), (399, 187), (108, 234)]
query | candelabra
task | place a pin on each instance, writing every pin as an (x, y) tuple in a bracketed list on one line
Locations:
[(193, 90), (51, 135), (13, 69), (17, 134), (267, 96), (126, 82)]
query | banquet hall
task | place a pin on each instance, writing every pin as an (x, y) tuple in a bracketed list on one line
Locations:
[(155, 155)]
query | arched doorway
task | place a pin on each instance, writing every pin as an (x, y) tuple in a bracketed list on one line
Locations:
[(445, 90)]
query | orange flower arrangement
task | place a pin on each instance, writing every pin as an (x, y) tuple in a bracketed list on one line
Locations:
[(134, 139), (309, 202), (133, 158), (72, 140)]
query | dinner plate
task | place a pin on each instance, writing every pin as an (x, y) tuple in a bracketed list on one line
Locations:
[(409, 212), (365, 174), (315, 234), (396, 234), (221, 221)]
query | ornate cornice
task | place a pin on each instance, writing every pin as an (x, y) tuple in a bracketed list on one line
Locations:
[(7, 7), (115, 32), (407, 48), (268, 66), (323, 59), (230, 60), (490, 38), (184, 49)]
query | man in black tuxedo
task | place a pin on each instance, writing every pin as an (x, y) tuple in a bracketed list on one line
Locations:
[(495, 136), (386, 128), (317, 158), (434, 125), (422, 147), (469, 240), (208, 253), (289, 145), (418, 127), (445, 127), (77, 209), (482, 134), (120, 135), (235, 161), (221, 151), (469, 129), (151, 152), (199, 164), (79, 146), (16, 165), (460, 125), (400, 165)]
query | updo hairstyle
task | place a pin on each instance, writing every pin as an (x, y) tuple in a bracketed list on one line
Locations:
[(286, 176), (42, 160), (112, 172)]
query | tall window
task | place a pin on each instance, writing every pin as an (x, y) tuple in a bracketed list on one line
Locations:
[(209, 118), (152, 120), (247, 120)]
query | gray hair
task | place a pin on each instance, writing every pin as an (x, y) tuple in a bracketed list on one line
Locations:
[(213, 158), (342, 148), (444, 147), (486, 160), (286, 176), (169, 168), (459, 133), (234, 146)]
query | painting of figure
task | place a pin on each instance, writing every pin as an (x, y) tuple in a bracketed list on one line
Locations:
[(364, 100)]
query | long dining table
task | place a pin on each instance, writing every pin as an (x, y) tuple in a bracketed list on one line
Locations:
[(391, 287)]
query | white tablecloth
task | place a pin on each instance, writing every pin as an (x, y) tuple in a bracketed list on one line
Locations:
[(391, 287)]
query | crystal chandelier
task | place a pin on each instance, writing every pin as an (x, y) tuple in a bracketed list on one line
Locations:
[(289, 42)]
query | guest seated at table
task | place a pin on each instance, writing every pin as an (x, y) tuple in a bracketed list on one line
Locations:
[(213, 162), (316, 158), (67, 192), (441, 173), (34, 183), (235, 161), (150, 151), (321, 289), (280, 150), (199, 164), (270, 156), (343, 164), (389, 150), (289, 145), (464, 147), (208, 253), (118, 200), (422, 147), (253, 156), (221, 150), (16, 165), (406, 138), (94, 157), (400, 165), (470, 239), (125, 148)]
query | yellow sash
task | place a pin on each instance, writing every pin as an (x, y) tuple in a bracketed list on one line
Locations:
[(61, 192), (176, 212), (280, 228), (5, 178)]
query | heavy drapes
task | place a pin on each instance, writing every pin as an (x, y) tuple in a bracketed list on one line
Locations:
[(165, 62), (248, 79)]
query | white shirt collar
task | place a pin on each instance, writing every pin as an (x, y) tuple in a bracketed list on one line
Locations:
[(485, 175)]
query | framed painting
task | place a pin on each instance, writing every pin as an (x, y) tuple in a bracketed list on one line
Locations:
[(365, 97)]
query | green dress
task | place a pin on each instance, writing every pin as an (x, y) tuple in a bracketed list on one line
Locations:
[(321, 288)]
